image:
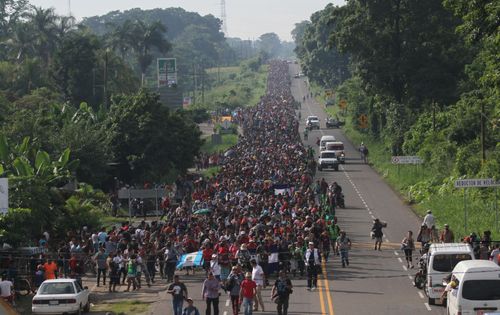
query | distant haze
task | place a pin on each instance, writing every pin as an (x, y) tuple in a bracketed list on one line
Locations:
[(247, 19)]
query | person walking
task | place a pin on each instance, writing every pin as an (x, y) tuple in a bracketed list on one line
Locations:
[(312, 261), (190, 309), (446, 235), (259, 278), (179, 293), (377, 232), (210, 293), (114, 274), (132, 274), (343, 245), (247, 293), (408, 246), (171, 257), (281, 293), (233, 285), (100, 259)]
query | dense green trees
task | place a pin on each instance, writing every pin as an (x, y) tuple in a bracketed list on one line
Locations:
[(424, 72)]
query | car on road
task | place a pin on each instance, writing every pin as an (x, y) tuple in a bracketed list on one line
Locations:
[(338, 147), (333, 123), (312, 122), (61, 296), (478, 290), (441, 259), (328, 159)]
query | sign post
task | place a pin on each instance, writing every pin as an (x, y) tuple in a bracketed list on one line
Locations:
[(4, 195), (477, 182), (167, 71), (406, 160)]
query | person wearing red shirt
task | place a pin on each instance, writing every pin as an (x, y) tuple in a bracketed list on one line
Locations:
[(207, 257), (247, 293)]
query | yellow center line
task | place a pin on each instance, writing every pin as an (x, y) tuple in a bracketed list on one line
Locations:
[(321, 300), (327, 289)]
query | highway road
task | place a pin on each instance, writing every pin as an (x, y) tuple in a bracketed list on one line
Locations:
[(376, 282)]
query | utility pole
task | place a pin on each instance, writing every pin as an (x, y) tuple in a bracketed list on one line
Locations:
[(105, 87), (202, 86), (483, 153), (194, 84)]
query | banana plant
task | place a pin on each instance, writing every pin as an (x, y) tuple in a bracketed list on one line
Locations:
[(16, 161)]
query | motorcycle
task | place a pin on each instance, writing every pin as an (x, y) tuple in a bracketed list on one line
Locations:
[(420, 278), (339, 200)]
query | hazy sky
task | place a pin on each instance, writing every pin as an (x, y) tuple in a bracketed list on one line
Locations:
[(247, 19)]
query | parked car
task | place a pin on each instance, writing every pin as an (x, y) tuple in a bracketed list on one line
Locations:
[(61, 296), (478, 289), (328, 159), (312, 122), (333, 123), (441, 259)]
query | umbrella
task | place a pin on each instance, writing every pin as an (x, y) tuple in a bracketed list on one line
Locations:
[(229, 153), (203, 211)]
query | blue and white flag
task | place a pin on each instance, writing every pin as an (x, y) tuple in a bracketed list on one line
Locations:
[(190, 260)]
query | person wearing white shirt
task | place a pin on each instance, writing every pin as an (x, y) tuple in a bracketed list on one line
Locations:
[(6, 289), (429, 220), (494, 254), (215, 267), (259, 278), (312, 261)]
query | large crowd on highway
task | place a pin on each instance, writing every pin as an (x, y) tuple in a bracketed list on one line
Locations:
[(261, 217)]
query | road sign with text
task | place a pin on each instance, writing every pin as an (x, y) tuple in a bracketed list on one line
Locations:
[(406, 160), (477, 182)]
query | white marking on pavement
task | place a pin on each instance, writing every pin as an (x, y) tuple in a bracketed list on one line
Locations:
[(411, 278), (396, 253), (225, 312), (400, 260), (227, 303), (428, 307), (404, 267), (421, 295)]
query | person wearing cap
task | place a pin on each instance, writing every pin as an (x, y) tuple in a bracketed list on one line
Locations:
[(430, 223), (215, 267), (446, 235), (247, 293), (190, 309), (259, 278), (233, 285), (243, 256), (312, 261)]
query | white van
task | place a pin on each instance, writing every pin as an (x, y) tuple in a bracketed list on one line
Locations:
[(441, 259), (338, 147), (323, 141), (478, 290)]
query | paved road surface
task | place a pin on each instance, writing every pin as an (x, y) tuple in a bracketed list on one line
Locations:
[(375, 282)]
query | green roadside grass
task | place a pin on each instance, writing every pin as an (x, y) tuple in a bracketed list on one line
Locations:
[(123, 307), (419, 188)]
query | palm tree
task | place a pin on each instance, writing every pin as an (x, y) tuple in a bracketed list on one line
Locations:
[(143, 38), (44, 24), (20, 44), (118, 38)]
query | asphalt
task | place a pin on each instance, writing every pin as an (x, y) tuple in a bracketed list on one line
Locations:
[(376, 282)]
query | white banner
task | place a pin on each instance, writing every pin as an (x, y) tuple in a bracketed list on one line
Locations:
[(4, 195), (406, 160), (478, 182)]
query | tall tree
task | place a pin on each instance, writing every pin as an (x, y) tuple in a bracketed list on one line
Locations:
[(270, 43)]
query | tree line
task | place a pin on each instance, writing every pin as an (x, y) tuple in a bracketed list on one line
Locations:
[(424, 72)]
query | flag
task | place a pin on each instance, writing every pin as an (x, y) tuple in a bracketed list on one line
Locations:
[(190, 260)]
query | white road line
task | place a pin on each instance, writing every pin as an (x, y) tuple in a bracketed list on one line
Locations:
[(225, 313), (227, 303), (405, 268), (396, 253), (428, 307), (373, 217), (400, 260), (411, 278), (421, 295)]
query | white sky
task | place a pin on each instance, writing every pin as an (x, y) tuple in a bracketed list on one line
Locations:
[(247, 19)]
